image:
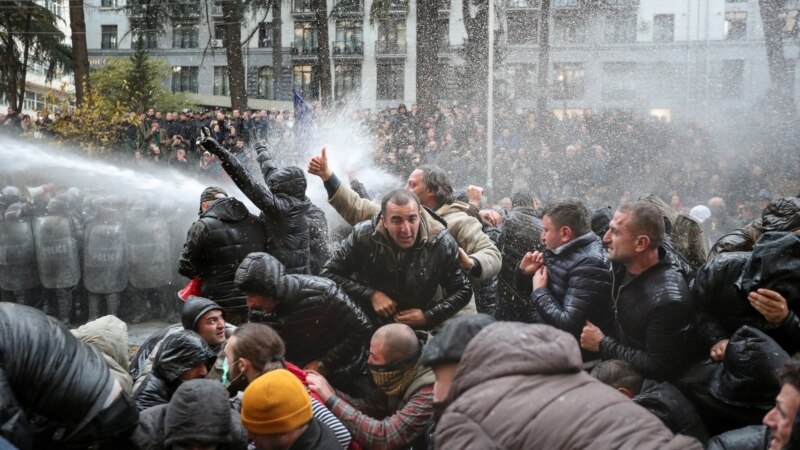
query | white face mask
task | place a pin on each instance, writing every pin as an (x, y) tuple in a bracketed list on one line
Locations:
[(225, 381)]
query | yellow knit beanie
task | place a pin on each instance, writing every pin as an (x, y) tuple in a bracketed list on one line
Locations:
[(275, 403)]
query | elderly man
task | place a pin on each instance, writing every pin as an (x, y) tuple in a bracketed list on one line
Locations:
[(653, 315), (394, 264), (394, 362)]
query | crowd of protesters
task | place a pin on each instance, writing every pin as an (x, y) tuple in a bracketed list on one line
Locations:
[(538, 317)]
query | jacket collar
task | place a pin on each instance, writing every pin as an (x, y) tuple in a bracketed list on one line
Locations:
[(665, 260), (430, 226), (580, 241)]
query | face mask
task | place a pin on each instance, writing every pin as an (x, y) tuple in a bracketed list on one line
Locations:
[(225, 381), (392, 378)]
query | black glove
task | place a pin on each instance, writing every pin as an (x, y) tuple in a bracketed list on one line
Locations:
[(209, 143)]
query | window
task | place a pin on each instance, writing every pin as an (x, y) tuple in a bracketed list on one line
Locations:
[(391, 79), (444, 35), (184, 79), (523, 79), (108, 3), (391, 36), (305, 38), (219, 36), (735, 25), (732, 78), (522, 28), (108, 37), (569, 29), (266, 87), (149, 36), (303, 6), (304, 81), (522, 4), (569, 81), (265, 35), (664, 28), (185, 36), (618, 80), (349, 37), (790, 23), (348, 80), (221, 83), (620, 29)]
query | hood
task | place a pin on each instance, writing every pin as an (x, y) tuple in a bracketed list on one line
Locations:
[(782, 214), (454, 207), (774, 264), (287, 180), (227, 209), (601, 218), (193, 310), (746, 377), (263, 274), (511, 348), (449, 344), (109, 335), (670, 215), (199, 412), (180, 352)]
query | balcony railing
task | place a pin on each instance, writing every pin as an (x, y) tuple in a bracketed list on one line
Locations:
[(344, 7), (304, 49), (398, 6), (390, 48), (348, 48), (522, 4)]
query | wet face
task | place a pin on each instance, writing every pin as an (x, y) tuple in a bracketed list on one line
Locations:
[(417, 185), (780, 418), (198, 371), (553, 236), (444, 378), (211, 327), (402, 223), (619, 239), (376, 356)]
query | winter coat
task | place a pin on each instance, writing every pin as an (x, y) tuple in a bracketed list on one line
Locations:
[(319, 239), (521, 232), (283, 204), (578, 287), (180, 352), (215, 245), (685, 231), (742, 388), (315, 318), (109, 335), (782, 214), (520, 386), (46, 375), (367, 262), (316, 437), (198, 412), (754, 437), (654, 321), (667, 403)]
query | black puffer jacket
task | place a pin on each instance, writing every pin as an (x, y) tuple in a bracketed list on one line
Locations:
[(180, 352), (782, 214), (667, 403), (46, 376), (216, 244), (754, 437), (315, 318), (367, 262), (319, 239), (521, 232), (283, 204), (654, 321), (578, 288)]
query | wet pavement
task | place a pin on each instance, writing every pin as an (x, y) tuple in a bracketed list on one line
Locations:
[(138, 333)]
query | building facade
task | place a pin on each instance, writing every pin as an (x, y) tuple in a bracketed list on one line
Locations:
[(664, 57)]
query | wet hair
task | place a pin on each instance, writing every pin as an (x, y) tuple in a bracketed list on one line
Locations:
[(618, 374), (259, 344), (646, 219), (399, 197), (790, 372), (570, 212), (524, 198), (436, 180)]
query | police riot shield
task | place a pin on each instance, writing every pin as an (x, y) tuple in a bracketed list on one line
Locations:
[(105, 264), (149, 253), (18, 269), (57, 252)]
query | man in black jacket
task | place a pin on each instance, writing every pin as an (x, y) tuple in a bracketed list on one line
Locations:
[(224, 234), (571, 282), (653, 316), (394, 264), (322, 328), (283, 204)]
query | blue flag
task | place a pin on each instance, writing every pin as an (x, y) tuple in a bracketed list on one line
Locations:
[(302, 112)]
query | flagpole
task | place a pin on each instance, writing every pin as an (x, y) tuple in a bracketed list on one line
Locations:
[(490, 104)]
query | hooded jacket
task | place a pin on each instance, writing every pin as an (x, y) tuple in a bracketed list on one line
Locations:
[(109, 335), (782, 214), (283, 204), (180, 352), (654, 321), (314, 317), (685, 231), (520, 386), (198, 412), (754, 437), (368, 261), (216, 244), (319, 239)]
